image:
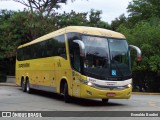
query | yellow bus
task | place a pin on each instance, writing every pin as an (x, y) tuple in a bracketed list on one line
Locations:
[(78, 61)]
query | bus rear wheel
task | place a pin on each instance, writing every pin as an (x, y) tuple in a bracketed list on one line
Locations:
[(28, 89), (66, 95), (23, 85)]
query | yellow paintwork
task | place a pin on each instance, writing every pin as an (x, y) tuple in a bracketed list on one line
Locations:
[(47, 72)]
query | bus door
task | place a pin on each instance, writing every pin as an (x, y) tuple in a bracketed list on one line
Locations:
[(75, 61)]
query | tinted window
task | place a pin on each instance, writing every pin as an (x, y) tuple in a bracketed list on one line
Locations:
[(51, 47), (74, 50)]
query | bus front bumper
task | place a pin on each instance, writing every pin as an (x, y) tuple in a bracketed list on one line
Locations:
[(91, 92)]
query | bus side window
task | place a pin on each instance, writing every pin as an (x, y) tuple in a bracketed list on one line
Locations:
[(61, 51)]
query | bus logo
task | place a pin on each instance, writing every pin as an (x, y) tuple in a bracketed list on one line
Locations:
[(24, 65)]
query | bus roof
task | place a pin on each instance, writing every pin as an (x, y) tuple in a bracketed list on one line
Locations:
[(94, 31), (79, 29)]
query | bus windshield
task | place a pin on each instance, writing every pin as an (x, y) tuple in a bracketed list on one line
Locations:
[(106, 59)]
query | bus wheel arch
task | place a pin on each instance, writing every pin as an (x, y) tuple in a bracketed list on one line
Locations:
[(62, 83)]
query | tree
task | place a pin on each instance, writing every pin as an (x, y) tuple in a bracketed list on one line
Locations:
[(139, 10), (95, 19), (143, 10), (118, 21), (20, 27), (6, 34), (73, 18), (43, 7)]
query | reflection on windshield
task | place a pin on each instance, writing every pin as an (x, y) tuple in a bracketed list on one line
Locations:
[(106, 58), (96, 63)]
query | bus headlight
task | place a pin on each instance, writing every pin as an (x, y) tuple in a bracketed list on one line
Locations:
[(129, 85), (89, 84), (86, 82)]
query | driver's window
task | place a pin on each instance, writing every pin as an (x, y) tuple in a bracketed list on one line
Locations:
[(74, 50), (76, 59)]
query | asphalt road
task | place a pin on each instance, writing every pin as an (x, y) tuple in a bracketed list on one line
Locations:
[(13, 99)]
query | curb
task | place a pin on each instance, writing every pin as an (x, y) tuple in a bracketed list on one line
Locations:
[(8, 84), (145, 93)]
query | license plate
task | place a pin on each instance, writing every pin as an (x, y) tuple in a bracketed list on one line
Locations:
[(111, 94)]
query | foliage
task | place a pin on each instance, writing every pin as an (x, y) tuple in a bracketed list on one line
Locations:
[(80, 19), (7, 34), (72, 18), (42, 7), (139, 10), (18, 28), (118, 21), (95, 20), (146, 35), (143, 10)]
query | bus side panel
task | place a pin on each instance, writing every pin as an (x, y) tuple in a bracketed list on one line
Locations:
[(62, 72), (39, 71)]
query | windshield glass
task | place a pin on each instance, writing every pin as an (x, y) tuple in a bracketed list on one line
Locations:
[(106, 59), (96, 63), (120, 62)]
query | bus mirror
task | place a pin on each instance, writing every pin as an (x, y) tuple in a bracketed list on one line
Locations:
[(81, 46), (139, 57)]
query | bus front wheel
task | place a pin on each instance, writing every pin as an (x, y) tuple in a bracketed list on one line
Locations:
[(66, 95), (104, 100)]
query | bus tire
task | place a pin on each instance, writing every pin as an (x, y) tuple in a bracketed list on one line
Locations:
[(28, 89), (23, 85), (66, 95), (105, 101)]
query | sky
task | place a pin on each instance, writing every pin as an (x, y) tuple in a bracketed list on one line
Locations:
[(111, 9)]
